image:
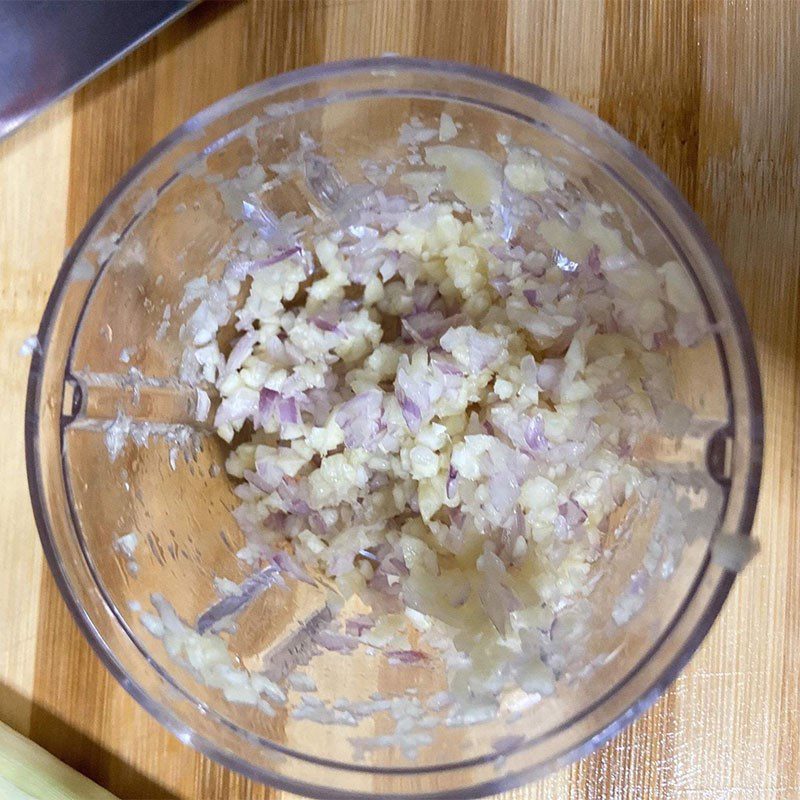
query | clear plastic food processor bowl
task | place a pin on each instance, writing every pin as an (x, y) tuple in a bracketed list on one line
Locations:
[(113, 447)]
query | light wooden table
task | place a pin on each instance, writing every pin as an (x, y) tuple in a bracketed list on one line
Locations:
[(711, 90)]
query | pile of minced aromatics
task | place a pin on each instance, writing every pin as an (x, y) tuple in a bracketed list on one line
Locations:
[(433, 403)]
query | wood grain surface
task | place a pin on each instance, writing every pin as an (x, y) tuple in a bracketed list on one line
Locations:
[(708, 89)]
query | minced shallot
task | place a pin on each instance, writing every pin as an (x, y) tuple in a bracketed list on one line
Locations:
[(435, 418), (433, 399)]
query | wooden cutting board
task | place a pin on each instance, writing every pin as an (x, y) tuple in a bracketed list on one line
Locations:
[(710, 90)]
